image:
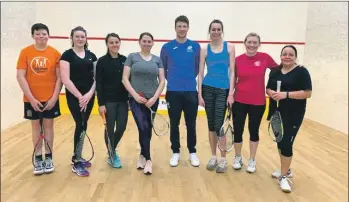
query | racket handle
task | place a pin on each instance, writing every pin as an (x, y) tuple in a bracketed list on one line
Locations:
[(103, 117), (278, 86), (141, 94)]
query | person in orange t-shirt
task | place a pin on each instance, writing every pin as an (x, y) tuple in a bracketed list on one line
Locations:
[(39, 78)]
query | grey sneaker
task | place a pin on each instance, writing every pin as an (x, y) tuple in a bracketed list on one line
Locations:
[(212, 163), (39, 168), (49, 168), (222, 166)]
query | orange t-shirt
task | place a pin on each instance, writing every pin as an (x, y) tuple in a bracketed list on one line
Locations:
[(41, 71)]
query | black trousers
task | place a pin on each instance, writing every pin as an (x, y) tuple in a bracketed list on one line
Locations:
[(178, 102)]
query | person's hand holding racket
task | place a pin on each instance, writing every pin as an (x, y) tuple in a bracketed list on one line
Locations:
[(84, 100), (140, 99), (50, 104), (278, 95), (230, 100), (102, 110), (37, 106), (150, 102), (201, 101)]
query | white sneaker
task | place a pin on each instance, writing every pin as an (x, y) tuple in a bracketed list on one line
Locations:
[(39, 168), (284, 183), (237, 163), (141, 162), (194, 160), (174, 160), (251, 166), (277, 174)]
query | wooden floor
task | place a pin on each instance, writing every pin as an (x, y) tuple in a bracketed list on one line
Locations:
[(320, 167)]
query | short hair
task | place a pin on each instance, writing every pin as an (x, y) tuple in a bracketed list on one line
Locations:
[(38, 26), (182, 18), (253, 34)]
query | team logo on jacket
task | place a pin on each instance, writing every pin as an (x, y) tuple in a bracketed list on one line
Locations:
[(39, 65), (190, 49), (257, 63)]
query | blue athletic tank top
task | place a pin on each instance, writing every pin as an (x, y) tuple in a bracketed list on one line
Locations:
[(217, 68)]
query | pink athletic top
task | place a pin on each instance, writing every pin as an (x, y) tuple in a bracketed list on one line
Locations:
[(250, 75)]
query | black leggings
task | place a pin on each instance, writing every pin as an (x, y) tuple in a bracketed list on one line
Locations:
[(73, 105), (141, 115), (116, 117), (255, 115), (291, 127), (215, 106)]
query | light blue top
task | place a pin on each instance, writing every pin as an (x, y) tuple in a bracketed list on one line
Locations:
[(217, 68)]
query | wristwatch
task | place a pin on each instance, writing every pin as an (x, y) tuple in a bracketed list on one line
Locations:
[(287, 95)]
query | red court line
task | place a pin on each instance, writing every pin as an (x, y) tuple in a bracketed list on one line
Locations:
[(199, 41)]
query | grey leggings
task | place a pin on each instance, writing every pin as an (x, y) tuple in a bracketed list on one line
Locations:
[(117, 116)]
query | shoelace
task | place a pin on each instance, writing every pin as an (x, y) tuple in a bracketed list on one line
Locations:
[(251, 163), (285, 179), (194, 158), (222, 163), (212, 161), (237, 160), (38, 166)]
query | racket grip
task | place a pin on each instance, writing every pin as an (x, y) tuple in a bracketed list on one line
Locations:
[(141, 94), (278, 86)]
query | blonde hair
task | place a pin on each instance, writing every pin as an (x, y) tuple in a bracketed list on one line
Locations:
[(253, 34)]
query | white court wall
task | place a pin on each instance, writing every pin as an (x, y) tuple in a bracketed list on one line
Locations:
[(130, 19), (326, 57), (274, 21), (16, 20)]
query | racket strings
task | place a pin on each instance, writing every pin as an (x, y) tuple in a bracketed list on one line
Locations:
[(159, 123), (109, 145), (80, 145), (226, 136), (226, 141), (275, 127), (41, 138)]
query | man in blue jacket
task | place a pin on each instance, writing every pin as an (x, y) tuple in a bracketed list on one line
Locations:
[(181, 62)]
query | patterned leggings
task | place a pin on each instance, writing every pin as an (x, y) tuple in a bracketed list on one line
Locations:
[(215, 106)]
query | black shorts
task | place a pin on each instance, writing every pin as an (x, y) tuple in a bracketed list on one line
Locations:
[(31, 114)]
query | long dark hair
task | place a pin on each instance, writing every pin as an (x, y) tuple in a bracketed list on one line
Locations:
[(111, 35)]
